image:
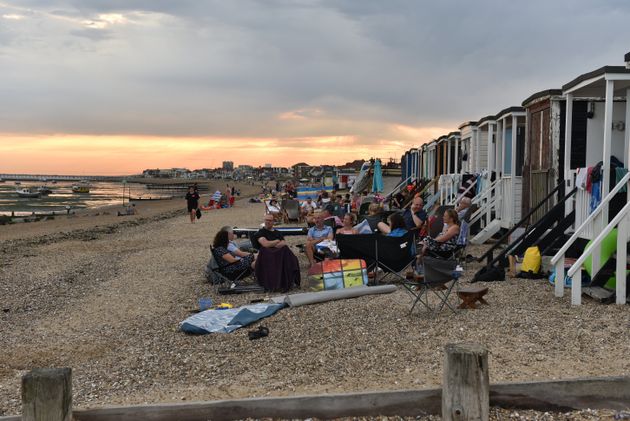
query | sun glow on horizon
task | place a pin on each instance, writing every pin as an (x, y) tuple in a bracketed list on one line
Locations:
[(119, 155)]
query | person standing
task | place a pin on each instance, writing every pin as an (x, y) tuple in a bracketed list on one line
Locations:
[(192, 201)]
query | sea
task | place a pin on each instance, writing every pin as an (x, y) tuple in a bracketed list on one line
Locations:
[(101, 194)]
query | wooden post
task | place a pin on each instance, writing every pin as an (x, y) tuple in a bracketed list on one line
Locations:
[(47, 395), (465, 384)]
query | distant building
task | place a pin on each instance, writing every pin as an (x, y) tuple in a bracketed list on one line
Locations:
[(267, 165), (228, 165), (301, 170)]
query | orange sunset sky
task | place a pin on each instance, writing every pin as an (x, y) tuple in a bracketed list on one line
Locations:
[(120, 155), (114, 87)]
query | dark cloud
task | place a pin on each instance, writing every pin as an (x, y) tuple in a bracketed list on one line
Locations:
[(234, 68)]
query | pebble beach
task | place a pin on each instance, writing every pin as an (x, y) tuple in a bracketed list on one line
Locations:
[(104, 295)]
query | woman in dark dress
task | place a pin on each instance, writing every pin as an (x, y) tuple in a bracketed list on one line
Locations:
[(232, 262), (192, 201)]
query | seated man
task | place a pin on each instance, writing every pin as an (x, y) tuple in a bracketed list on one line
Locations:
[(316, 235), (463, 206), (327, 213), (277, 268), (267, 236), (415, 217)]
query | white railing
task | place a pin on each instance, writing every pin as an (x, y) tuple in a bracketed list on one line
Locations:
[(458, 196), (587, 224), (449, 186), (400, 185), (487, 201)]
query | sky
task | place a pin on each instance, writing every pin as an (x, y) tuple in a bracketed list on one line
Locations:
[(117, 86)]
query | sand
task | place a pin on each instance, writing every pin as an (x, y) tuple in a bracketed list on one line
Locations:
[(104, 295)]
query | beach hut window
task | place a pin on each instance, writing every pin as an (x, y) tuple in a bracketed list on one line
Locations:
[(507, 162)]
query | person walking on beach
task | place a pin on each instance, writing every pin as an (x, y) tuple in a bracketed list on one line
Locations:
[(192, 201)]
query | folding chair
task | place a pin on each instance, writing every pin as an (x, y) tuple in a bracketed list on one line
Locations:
[(278, 217), (438, 273), (392, 255), (291, 210), (219, 274), (459, 252)]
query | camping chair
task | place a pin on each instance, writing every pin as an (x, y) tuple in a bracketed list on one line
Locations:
[(391, 255), (459, 252), (291, 211), (217, 274), (438, 273), (277, 217)]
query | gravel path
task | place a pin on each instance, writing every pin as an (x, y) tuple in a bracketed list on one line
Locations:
[(107, 300)]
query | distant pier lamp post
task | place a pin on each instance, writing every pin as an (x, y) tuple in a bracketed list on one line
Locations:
[(124, 183)]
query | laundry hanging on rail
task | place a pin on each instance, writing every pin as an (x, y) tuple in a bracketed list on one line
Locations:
[(596, 195), (581, 178)]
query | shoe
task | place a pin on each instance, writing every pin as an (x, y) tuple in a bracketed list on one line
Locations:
[(261, 332)]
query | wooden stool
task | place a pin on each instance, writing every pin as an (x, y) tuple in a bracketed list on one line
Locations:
[(471, 295)]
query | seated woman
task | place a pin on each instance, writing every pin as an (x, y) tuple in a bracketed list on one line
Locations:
[(397, 227), (229, 257), (375, 220), (447, 239), (348, 225)]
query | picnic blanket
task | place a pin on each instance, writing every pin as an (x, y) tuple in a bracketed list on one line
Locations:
[(226, 321)]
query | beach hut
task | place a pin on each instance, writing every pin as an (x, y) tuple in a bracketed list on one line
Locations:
[(450, 178), (509, 160), (499, 198), (429, 163), (486, 132), (601, 212), (475, 150), (544, 146)]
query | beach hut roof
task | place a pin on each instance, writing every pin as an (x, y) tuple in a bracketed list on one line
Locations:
[(540, 95), (593, 83), (510, 110), (486, 119), (466, 124), (454, 134)]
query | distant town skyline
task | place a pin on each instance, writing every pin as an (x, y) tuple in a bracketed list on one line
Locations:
[(97, 87)]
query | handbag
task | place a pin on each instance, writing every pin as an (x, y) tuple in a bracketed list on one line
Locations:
[(198, 213)]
